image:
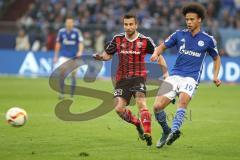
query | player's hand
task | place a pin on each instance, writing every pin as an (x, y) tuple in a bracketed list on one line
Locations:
[(97, 57), (217, 82), (154, 57)]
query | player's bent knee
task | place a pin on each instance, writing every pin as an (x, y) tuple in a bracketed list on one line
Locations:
[(141, 104)]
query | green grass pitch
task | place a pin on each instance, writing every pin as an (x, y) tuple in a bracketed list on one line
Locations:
[(210, 132)]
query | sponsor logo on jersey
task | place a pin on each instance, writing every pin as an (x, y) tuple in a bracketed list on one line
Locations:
[(182, 49), (191, 53), (69, 42), (129, 52)]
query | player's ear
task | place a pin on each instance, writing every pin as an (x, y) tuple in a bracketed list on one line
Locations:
[(199, 20)]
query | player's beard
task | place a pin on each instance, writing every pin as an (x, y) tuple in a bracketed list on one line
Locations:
[(130, 33)]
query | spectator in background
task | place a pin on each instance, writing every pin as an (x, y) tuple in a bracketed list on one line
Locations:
[(108, 12), (99, 41), (105, 14), (22, 41), (37, 44), (88, 42), (51, 39)]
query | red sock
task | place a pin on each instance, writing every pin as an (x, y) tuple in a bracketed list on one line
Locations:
[(146, 120), (128, 117)]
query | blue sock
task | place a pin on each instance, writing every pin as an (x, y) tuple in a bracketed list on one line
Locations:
[(73, 85), (162, 120), (178, 119)]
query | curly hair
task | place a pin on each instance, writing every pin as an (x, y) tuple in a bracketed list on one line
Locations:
[(194, 8)]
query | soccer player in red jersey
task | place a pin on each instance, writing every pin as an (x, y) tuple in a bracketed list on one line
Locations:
[(131, 48)]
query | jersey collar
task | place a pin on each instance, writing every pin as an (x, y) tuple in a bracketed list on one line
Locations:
[(69, 31), (195, 34), (131, 40)]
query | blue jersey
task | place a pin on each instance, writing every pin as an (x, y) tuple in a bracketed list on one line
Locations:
[(191, 52), (69, 41)]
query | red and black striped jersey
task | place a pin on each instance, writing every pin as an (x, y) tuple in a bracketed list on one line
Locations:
[(131, 54)]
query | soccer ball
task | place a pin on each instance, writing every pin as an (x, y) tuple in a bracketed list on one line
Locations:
[(16, 116)]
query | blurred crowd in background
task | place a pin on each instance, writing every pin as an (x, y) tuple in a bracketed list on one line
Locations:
[(99, 20)]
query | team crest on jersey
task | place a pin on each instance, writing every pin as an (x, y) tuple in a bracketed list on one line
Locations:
[(73, 36), (200, 43), (139, 44), (123, 45)]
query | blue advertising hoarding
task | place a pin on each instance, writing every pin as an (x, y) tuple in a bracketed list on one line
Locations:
[(40, 64), (231, 41)]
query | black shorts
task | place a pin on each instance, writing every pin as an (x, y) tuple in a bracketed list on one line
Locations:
[(126, 88)]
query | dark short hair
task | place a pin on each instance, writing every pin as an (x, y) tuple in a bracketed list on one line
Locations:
[(194, 8), (69, 17), (130, 15)]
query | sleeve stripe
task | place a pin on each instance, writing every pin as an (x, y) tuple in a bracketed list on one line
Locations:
[(151, 41), (120, 34), (213, 41), (80, 37)]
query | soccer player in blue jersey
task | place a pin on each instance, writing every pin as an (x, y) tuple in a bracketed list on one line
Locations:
[(193, 45), (69, 44)]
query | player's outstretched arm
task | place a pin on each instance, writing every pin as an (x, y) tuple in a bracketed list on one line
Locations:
[(102, 57), (162, 63), (216, 68), (158, 50)]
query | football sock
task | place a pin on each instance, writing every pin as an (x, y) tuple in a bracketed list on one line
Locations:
[(162, 120), (178, 119), (73, 85), (146, 120), (129, 117)]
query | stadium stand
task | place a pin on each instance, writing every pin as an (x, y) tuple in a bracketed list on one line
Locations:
[(156, 18)]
